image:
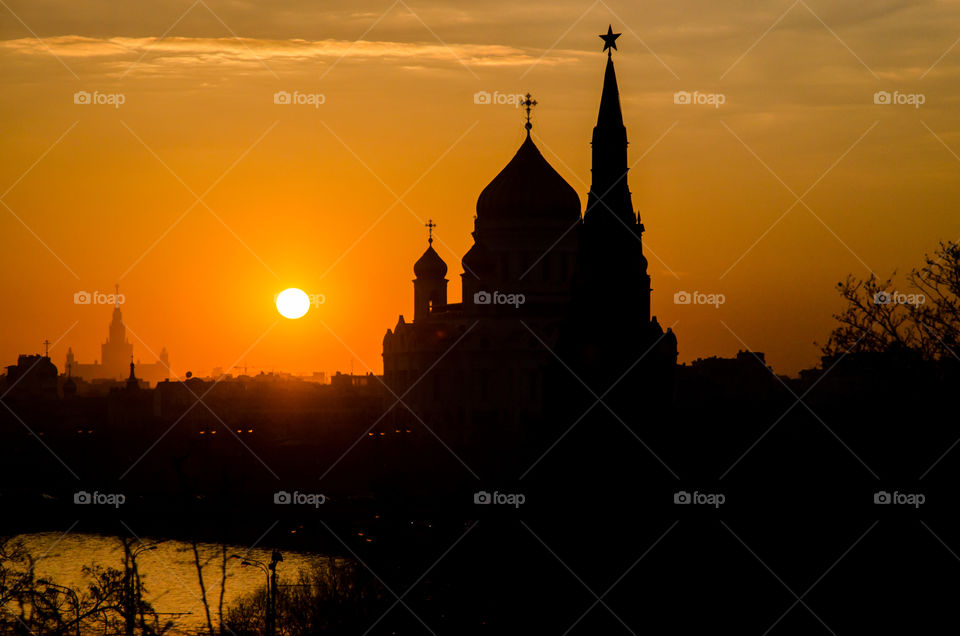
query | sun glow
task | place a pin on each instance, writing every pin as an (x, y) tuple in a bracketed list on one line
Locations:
[(293, 303)]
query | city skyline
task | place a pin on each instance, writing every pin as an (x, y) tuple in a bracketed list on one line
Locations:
[(644, 306), (199, 112)]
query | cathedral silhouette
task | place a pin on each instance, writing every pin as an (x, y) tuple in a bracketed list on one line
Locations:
[(555, 306)]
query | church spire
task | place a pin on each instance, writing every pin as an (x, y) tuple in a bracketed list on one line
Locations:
[(610, 115), (132, 382), (118, 331), (609, 193)]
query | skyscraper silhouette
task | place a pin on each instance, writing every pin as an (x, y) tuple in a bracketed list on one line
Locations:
[(115, 356)]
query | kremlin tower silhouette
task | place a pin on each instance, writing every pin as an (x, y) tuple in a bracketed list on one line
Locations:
[(610, 341)]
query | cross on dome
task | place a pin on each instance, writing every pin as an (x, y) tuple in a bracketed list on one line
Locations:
[(528, 103)]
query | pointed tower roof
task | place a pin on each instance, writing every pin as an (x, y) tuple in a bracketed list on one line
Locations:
[(610, 113), (609, 193)]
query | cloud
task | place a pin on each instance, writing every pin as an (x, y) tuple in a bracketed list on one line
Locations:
[(182, 51)]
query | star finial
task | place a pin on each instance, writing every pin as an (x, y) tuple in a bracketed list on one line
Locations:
[(430, 225), (528, 103), (609, 39)]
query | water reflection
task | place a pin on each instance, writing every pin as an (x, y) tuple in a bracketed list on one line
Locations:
[(169, 571)]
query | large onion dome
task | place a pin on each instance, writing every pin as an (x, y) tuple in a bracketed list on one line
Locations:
[(528, 187)]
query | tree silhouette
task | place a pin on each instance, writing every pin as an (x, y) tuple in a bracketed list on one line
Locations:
[(925, 319)]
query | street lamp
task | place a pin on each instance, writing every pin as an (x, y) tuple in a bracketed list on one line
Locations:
[(248, 562), (275, 558), (270, 571), (71, 592), (144, 548)]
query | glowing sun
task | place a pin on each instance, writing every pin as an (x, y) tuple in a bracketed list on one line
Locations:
[(292, 303)]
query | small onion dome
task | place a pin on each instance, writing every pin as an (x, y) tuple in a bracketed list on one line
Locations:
[(430, 265), (528, 187)]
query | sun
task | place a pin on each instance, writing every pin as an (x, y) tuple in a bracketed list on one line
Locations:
[(292, 303)]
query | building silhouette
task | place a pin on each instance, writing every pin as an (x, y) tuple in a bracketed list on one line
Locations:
[(116, 355), (32, 377), (547, 293)]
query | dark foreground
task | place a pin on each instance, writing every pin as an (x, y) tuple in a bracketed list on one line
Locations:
[(787, 529)]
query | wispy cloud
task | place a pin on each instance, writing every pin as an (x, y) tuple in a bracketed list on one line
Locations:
[(184, 50)]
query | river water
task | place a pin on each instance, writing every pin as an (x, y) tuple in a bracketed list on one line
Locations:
[(168, 572)]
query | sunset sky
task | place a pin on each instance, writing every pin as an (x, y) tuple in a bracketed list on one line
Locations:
[(203, 198)]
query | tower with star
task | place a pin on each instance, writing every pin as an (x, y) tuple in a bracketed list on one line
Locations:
[(603, 345)]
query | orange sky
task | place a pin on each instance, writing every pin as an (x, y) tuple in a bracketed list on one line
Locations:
[(304, 196)]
